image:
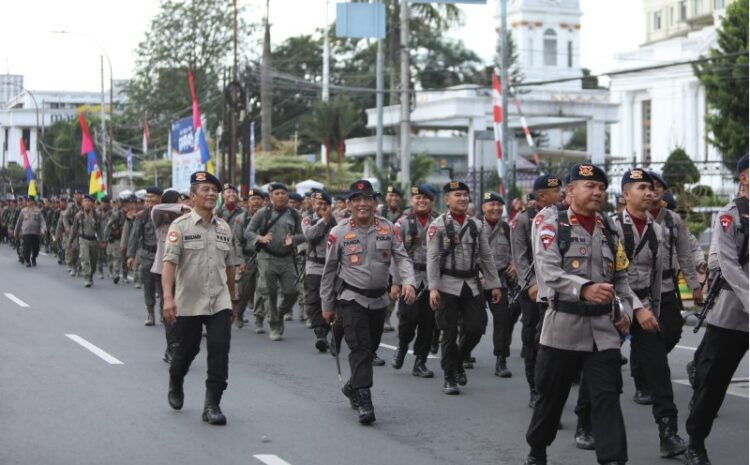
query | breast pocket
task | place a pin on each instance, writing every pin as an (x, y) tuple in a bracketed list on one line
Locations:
[(577, 261), (193, 245)]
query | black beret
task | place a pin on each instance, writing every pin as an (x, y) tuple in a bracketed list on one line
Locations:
[(566, 179), (230, 186), (255, 193), (90, 197), (394, 190), (492, 197), (656, 177), (742, 164), (361, 187), (154, 190), (308, 194), (106, 198), (295, 196), (277, 185), (454, 186), (546, 181), (320, 194), (670, 200), (201, 177), (170, 196), (423, 189), (588, 172), (636, 175)]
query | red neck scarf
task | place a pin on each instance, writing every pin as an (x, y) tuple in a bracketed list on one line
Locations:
[(588, 222), (459, 218), (640, 224), (422, 218)]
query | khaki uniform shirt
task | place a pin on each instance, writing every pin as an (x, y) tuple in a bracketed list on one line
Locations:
[(731, 308), (642, 274), (86, 227), (202, 252), (162, 215), (683, 258), (316, 232), (142, 239), (288, 224), (361, 258), (437, 241), (30, 221), (588, 260)]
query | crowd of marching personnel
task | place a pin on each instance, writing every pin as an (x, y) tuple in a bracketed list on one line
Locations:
[(581, 280)]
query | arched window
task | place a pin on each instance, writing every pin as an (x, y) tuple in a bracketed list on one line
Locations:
[(550, 48)]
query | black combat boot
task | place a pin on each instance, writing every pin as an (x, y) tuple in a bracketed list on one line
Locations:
[(501, 368), (642, 397), (670, 443), (449, 384), (366, 410), (149, 317), (175, 396), (211, 410), (695, 457), (584, 437), (533, 397), (420, 368), (399, 356), (351, 394), (534, 461), (536, 457), (377, 361), (461, 376), (321, 343)]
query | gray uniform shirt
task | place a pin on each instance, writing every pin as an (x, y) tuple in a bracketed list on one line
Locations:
[(86, 227), (415, 245), (288, 224), (316, 232), (142, 239), (202, 252), (162, 215), (642, 274), (731, 308), (520, 247), (588, 260), (30, 221), (500, 246), (437, 241), (361, 257), (683, 258)]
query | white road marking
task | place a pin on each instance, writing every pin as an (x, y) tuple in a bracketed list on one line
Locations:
[(94, 349), (16, 300), (738, 387), (388, 346), (270, 459), (44, 253), (686, 347)]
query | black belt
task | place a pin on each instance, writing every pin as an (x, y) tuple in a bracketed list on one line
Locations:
[(667, 274), (372, 293), (318, 260), (642, 293), (465, 274), (149, 248), (582, 308), (88, 238), (420, 267)]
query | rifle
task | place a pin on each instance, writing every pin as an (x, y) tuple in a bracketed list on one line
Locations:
[(518, 290), (336, 353), (717, 282)]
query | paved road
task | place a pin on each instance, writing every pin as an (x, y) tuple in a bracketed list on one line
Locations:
[(60, 403)]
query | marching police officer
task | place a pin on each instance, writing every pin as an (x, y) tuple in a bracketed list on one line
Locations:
[(546, 192), (113, 230), (583, 267), (457, 249), (86, 231), (199, 267), (275, 231), (640, 237), (29, 228), (71, 254), (246, 255), (725, 341), (316, 229), (355, 276), (416, 318), (142, 243)]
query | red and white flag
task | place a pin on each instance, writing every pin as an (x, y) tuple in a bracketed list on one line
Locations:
[(497, 119), (145, 135)]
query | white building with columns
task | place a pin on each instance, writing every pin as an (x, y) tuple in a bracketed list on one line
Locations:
[(665, 108)]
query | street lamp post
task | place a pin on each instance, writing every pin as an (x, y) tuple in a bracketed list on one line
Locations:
[(107, 155)]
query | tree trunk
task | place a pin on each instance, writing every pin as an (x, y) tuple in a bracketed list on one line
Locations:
[(266, 92)]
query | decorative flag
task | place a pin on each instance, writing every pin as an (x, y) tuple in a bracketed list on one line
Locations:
[(145, 135), (29, 172), (130, 159), (87, 147), (252, 154), (525, 126), (199, 136), (96, 183), (497, 119)]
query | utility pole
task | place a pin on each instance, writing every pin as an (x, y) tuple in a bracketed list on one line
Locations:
[(105, 160), (506, 88), (111, 122), (266, 97), (233, 101), (326, 78), (405, 124), (379, 105)]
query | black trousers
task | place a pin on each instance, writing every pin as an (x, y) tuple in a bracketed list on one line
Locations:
[(555, 371), (670, 320), (363, 329), (168, 333), (417, 318), (530, 319), (503, 321), (312, 301), (721, 353), (30, 247), (151, 285), (651, 370), (187, 331), (468, 311)]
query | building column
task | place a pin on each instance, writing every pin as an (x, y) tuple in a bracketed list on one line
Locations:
[(475, 124), (595, 141)]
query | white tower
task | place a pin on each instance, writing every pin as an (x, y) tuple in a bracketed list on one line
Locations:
[(546, 34)]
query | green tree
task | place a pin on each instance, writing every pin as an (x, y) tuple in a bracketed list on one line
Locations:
[(679, 170), (64, 168), (725, 80)]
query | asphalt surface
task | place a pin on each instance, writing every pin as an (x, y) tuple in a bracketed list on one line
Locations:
[(61, 403)]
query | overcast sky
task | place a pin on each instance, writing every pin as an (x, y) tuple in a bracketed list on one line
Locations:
[(52, 61)]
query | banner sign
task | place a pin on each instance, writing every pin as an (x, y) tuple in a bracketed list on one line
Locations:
[(185, 159)]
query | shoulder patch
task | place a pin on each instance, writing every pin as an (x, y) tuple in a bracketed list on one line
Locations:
[(173, 236), (547, 235), (538, 219), (332, 240), (306, 221), (726, 221), (432, 231)]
